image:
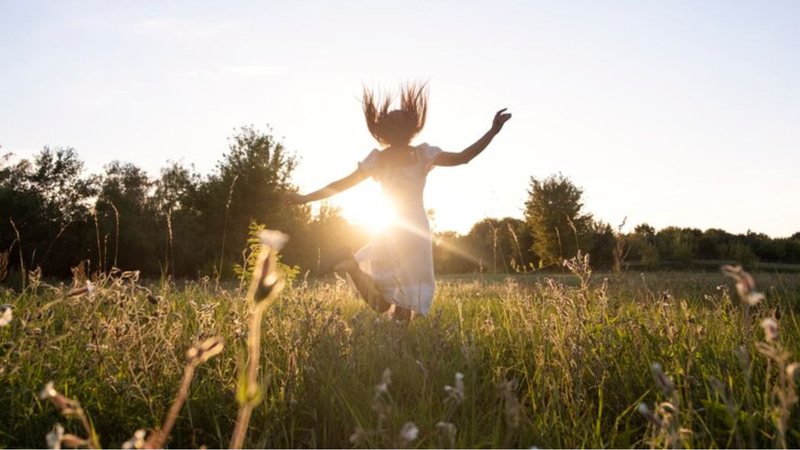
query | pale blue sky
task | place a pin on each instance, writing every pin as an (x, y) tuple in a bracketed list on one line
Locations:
[(667, 112)]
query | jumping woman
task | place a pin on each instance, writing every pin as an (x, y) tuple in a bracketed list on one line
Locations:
[(396, 267)]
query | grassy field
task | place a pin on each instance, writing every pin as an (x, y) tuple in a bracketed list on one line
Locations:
[(548, 361)]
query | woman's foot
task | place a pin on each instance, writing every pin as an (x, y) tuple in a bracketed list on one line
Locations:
[(339, 260)]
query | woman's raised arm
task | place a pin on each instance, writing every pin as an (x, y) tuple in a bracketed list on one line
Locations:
[(465, 156), (334, 188)]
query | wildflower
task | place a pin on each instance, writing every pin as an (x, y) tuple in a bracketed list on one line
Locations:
[(745, 284), (48, 391), (54, 437), (770, 326), (792, 370), (386, 380), (89, 289), (662, 380), (358, 436), (511, 403), (72, 441), (456, 393), (448, 432), (650, 415), (409, 432), (743, 356), (64, 405), (5, 315), (136, 442), (273, 239), (203, 351), (265, 275)]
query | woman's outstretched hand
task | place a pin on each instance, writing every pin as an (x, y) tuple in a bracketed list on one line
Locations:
[(500, 118), (293, 198)]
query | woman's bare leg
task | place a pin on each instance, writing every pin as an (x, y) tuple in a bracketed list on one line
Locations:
[(364, 284)]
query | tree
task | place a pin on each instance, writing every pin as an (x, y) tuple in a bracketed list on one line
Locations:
[(126, 221), (643, 244), (47, 199), (554, 216), (246, 187)]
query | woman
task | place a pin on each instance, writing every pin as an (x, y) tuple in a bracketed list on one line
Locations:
[(396, 267)]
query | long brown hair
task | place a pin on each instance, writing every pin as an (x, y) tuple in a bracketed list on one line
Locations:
[(398, 126)]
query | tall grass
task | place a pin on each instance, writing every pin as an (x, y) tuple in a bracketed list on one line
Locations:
[(558, 361)]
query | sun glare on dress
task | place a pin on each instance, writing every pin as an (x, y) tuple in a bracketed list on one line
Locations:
[(368, 209)]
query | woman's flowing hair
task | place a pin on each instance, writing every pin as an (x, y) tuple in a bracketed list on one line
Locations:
[(398, 126)]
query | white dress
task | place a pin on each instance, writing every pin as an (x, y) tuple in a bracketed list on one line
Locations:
[(400, 259)]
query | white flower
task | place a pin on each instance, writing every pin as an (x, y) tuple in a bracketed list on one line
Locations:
[(386, 380), (409, 432), (137, 441), (48, 391), (54, 437), (273, 239), (792, 370), (5, 315), (90, 288), (456, 393), (770, 326), (753, 298), (448, 432)]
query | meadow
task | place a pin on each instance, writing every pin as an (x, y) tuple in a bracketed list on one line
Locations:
[(575, 359)]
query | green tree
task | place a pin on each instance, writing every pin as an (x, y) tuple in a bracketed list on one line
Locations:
[(47, 199), (125, 229), (643, 244), (554, 215), (246, 187)]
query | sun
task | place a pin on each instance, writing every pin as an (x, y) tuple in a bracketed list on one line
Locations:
[(367, 208)]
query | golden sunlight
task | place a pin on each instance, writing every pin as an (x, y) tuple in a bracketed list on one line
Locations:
[(367, 208)]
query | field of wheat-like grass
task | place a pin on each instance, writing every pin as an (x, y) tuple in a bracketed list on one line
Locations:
[(573, 360)]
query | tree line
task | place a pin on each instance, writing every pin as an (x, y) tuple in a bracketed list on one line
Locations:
[(179, 223), (556, 227)]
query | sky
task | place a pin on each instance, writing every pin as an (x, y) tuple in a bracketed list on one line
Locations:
[(677, 113)]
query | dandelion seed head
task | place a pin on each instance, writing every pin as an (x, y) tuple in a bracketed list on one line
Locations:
[(642, 408)]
